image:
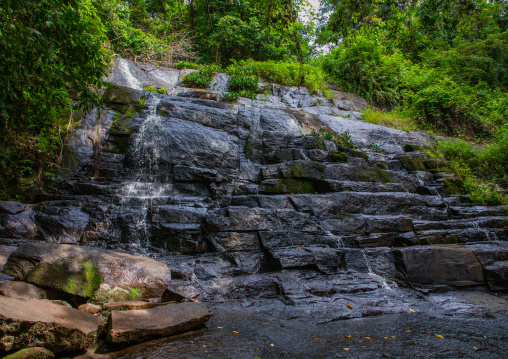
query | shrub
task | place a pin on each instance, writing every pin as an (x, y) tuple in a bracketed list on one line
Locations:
[(239, 82), (197, 79), (283, 73)]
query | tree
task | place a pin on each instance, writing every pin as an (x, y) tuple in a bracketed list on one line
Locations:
[(47, 47)]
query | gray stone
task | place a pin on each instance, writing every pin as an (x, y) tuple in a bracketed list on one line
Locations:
[(11, 207)]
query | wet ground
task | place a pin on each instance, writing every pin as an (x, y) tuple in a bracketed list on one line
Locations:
[(270, 329)]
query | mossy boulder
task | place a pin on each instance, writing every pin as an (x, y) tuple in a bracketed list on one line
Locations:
[(81, 270), (31, 353)]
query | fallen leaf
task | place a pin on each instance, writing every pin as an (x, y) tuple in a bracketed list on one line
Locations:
[(235, 332), (368, 338), (348, 336), (220, 327), (439, 336), (411, 310), (317, 339), (204, 346), (346, 349), (385, 338), (299, 247), (360, 342), (475, 348), (272, 345), (220, 259), (393, 337), (408, 331), (349, 306)]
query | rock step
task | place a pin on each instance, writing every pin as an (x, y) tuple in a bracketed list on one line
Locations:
[(162, 321), (37, 323), (478, 222)]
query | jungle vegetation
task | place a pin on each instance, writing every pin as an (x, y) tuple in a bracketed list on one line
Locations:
[(437, 65)]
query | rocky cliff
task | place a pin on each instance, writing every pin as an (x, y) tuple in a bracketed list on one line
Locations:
[(260, 199)]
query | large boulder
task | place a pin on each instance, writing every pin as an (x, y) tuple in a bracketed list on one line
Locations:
[(163, 321), (36, 323), (81, 270), (451, 265)]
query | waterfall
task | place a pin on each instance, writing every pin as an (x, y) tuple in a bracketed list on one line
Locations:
[(146, 185)]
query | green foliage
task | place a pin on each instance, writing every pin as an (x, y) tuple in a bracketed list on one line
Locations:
[(150, 88), (197, 79), (239, 82), (343, 140), (241, 29), (47, 48), (134, 293), (282, 73), (394, 119)]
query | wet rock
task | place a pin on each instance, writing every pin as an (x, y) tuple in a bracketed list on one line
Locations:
[(19, 226), (451, 265), (31, 353), (172, 296), (81, 270), (497, 276), (90, 308), (61, 222), (21, 290), (35, 323), (11, 207), (163, 321)]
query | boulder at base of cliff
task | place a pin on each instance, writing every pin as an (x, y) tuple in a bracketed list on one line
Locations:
[(32, 353), (81, 270), (37, 323), (159, 322)]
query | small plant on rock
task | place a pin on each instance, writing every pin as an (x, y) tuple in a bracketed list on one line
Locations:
[(197, 79)]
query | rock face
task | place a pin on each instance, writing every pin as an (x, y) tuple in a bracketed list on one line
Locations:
[(81, 270), (162, 321), (36, 323), (242, 201)]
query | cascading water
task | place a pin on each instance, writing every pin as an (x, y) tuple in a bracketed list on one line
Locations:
[(146, 185)]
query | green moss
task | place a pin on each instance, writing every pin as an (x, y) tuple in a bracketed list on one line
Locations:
[(320, 144), (134, 293), (359, 154), (382, 165), (295, 186), (413, 163), (142, 102), (342, 216), (117, 95), (150, 88), (248, 151), (373, 174), (162, 91), (93, 278), (297, 170), (339, 157), (71, 286)]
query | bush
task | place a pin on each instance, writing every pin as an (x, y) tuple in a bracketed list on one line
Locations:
[(239, 82), (283, 73), (197, 79)]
